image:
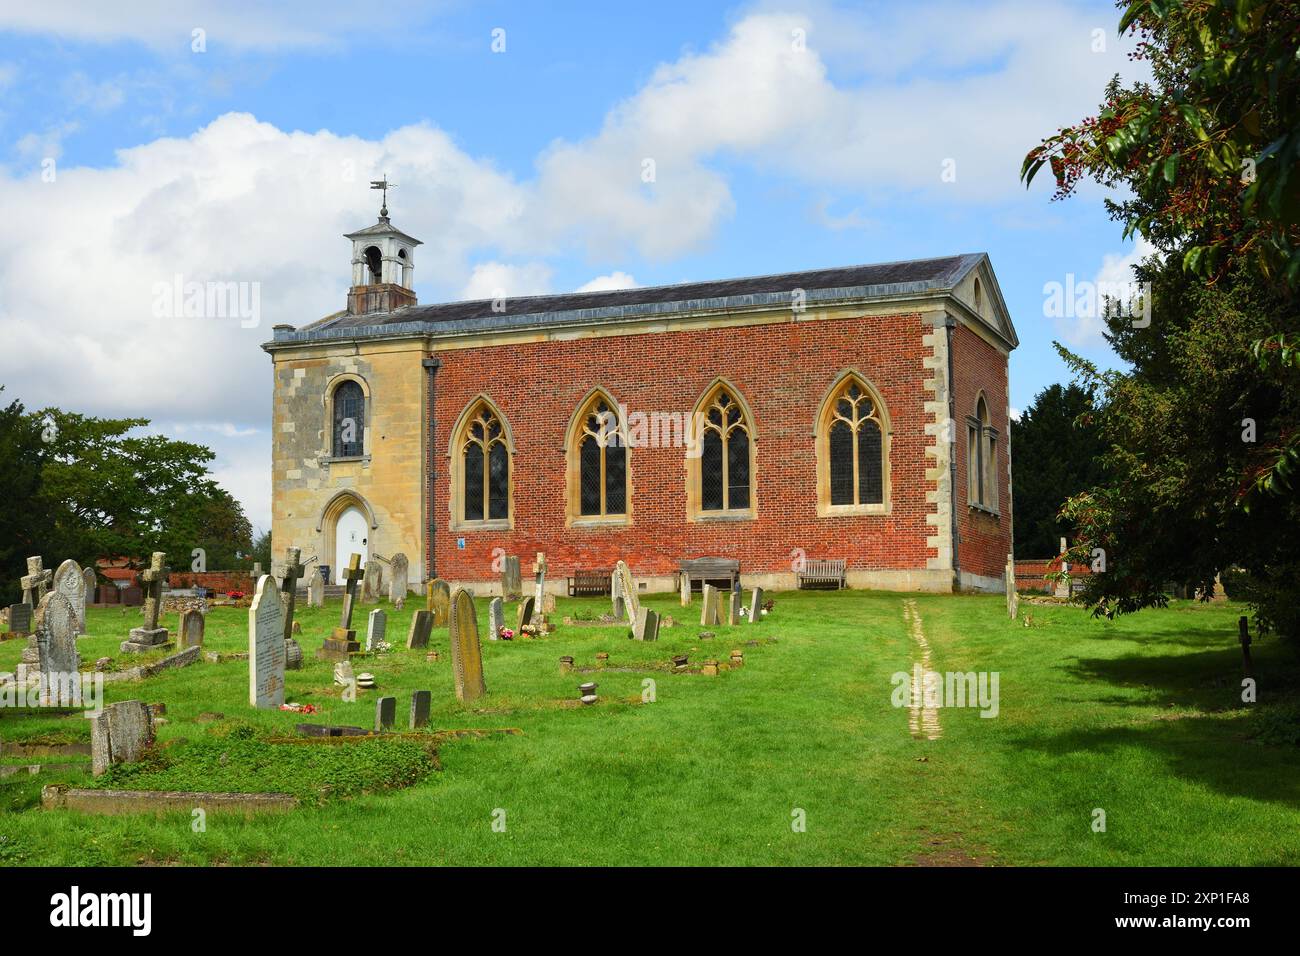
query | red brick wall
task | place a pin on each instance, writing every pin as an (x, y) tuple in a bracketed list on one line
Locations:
[(782, 371), (221, 581), (1029, 573), (984, 540)]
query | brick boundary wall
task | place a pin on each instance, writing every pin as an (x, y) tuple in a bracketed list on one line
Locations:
[(1029, 573), (221, 581)]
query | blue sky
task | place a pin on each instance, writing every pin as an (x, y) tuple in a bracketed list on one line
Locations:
[(783, 136)]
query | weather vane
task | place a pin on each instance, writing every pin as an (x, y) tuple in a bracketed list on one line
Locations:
[(385, 185)]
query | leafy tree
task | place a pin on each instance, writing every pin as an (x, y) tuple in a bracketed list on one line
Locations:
[(23, 520), (262, 550), (1202, 434), (1057, 452)]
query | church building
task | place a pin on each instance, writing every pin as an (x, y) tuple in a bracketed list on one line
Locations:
[(857, 413)]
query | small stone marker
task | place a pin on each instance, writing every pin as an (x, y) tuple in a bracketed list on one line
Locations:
[(20, 618), (89, 583), (69, 582), (466, 653), (343, 640), (316, 589), (733, 607), (292, 655), (710, 669), (190, 631), (385, 713), (151, 637), (685, 585), (587, 692), (438, 601), (266, 654), (35, 582), (376, 626), (421, 626), (737, 658), (647, 625), (293, 570), (399, 566), (524, 616), (344, 676), (120, 733), (56, 649), (566, 665), (617, 604), (627, 588), (496, 619), (709, 616), (1013, 596), (756, 606), (512, 587), (421, 700), (539, 589)]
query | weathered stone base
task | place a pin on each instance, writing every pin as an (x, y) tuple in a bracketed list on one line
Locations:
[(180, 659), (112, 802), (928, 580), (334, 650), (144, 640), (968, 581)]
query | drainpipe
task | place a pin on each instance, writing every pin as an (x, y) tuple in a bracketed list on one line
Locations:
[(431, 366), (949, 324)]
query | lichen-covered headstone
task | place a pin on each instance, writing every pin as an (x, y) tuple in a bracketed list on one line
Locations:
[(55, 641), (466, 652), (120, 733), (376, 626), (646, 627), (525, 615), (631, 602), (511, 580), (399, 567), (190, 631), (438, 601), (316, 589), (420, 704), (709, 615), (418, 635), (69, 582), (685, 584), (756, 606), (266, 653), (496, 619)]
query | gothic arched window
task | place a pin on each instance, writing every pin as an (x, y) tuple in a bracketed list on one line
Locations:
[(349, 402), (598, 470), (483, 472), (981, 458), (852, 449), (722, 474)]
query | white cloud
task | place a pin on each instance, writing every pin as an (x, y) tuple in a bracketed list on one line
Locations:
[(491, 280), (8, 75), (608, 283), (1083, 324)]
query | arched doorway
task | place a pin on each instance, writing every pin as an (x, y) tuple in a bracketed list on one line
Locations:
[(351, 536)]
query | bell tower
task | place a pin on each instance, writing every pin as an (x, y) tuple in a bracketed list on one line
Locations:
[(383, 260)]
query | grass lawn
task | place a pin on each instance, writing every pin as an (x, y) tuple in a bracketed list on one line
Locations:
[(1141, 718)]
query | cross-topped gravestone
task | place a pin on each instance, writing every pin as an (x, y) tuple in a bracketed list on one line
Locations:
[(35, 582), (293, 570), (56, 649), (266, 650), (466, 652), (69, 582), (343, 641), (151, 637), (512, 588), (539, 587)]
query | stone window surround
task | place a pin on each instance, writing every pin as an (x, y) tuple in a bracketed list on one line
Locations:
[(694, 512), (821, 440), (574, 518), (456, 469)]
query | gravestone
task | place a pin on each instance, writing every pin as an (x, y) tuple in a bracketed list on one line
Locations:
[(646, 627), (524, 616), (684, 584), (1013, 596), (385, 713), (89, 582), (539, 589), (421, 700), (616, 603), (512, 587), (372, 584), (151, 637), (69, 582), (190, 631), (438, 601), (376, 626), (627, 590), (316, 589), (1062, 589), (733, 606), (292, 655), (399, 567), (343, 640), (466, 652), (496, 619), (421, 626), (120, 733), (35, 582), (293, 570), (55, 641), (756, 606), (266, 656), (709, 616), (20, 618)]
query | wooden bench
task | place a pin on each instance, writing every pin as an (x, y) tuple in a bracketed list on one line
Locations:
[(822, 573), (587, 582), (720, 572)]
